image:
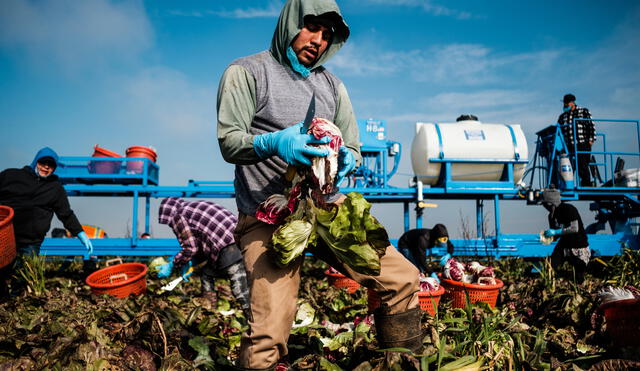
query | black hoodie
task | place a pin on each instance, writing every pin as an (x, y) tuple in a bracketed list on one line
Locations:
[(34, 200), (417, 241)]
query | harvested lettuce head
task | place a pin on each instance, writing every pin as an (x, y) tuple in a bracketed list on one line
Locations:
[(348, 230), (305, 217)]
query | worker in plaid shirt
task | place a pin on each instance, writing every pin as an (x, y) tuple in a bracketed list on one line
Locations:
[(205, 232), (585, 135)]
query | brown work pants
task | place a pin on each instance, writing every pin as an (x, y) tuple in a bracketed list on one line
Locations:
[(274, 291)]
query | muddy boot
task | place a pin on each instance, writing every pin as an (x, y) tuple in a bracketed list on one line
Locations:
[(399, 329)]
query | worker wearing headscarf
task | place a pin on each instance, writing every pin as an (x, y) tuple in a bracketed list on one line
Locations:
[(415, 243), (262, 99), (35, 193), (565, 223)]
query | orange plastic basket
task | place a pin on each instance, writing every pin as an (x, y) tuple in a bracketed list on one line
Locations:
[(119, 280), (623, 321), (341, 281), (428, 300), (7, 238), (457, 292)]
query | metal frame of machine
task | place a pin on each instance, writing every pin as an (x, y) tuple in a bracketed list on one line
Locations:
[(615, 204)]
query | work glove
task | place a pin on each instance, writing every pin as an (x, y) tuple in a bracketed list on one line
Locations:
[(346, 163), (164, 270), (82, 236), (444, 259), (435, 275), (290, 145), (552, 232), (184, 271)]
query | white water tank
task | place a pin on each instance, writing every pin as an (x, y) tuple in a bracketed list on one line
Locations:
[(467, 140)]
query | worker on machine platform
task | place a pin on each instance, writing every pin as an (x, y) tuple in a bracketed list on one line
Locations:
[(585, 135), (262, 99), (565, 223)]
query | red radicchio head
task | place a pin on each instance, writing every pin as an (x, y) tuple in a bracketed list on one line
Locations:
[(274, 209), (324, 169)]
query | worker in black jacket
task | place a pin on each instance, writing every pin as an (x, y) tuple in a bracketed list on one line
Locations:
[(414, 244), (35, 194)]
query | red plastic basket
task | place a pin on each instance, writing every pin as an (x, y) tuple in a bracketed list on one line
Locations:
[(341, 281), (7, 238), (623, 321), (119, 280), (457, 292), (428, 300)]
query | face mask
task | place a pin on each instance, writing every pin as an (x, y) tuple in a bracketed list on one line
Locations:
[(295, 64), (441, 244), (566, 109)]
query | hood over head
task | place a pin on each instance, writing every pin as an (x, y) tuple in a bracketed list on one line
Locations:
[(439, 230), (168, 208), (45, 152), (291, 22)]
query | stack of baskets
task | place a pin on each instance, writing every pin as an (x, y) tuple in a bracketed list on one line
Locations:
[(7, 238), (120, 280), (341, 281)]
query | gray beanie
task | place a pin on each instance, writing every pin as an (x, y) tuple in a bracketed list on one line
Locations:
[(551, 196)]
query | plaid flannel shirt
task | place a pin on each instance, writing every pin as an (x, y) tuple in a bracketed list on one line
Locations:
[(202, 228), (585, 130)]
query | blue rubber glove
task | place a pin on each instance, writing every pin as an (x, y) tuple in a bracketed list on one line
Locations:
[(444, 259), (164, 270), (290, 145), (346, 163), (435, 275), (552, 232), (184, 271), (82, 236)]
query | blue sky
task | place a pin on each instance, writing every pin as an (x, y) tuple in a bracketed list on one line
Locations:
[(121, 73)]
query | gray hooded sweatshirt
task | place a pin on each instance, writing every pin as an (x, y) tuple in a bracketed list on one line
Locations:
[(261, 93)]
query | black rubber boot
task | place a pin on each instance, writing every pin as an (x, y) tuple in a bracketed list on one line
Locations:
[(398, 330)]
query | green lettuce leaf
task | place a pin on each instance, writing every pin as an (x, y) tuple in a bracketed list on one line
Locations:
[(290, 240)]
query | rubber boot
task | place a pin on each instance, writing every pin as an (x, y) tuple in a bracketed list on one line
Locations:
[(398, 330)]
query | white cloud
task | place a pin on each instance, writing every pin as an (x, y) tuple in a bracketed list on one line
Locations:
[(75, 33), (271, 11), (428, 6), (481, 99), (450, 65)]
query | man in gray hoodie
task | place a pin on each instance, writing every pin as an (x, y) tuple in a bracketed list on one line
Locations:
[(261, 100)]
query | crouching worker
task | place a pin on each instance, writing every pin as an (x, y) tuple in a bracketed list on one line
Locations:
[(415, 243), (205, 232), (565, 223)]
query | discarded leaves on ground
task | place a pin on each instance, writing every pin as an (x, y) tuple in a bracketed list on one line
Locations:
[(542, 321)]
